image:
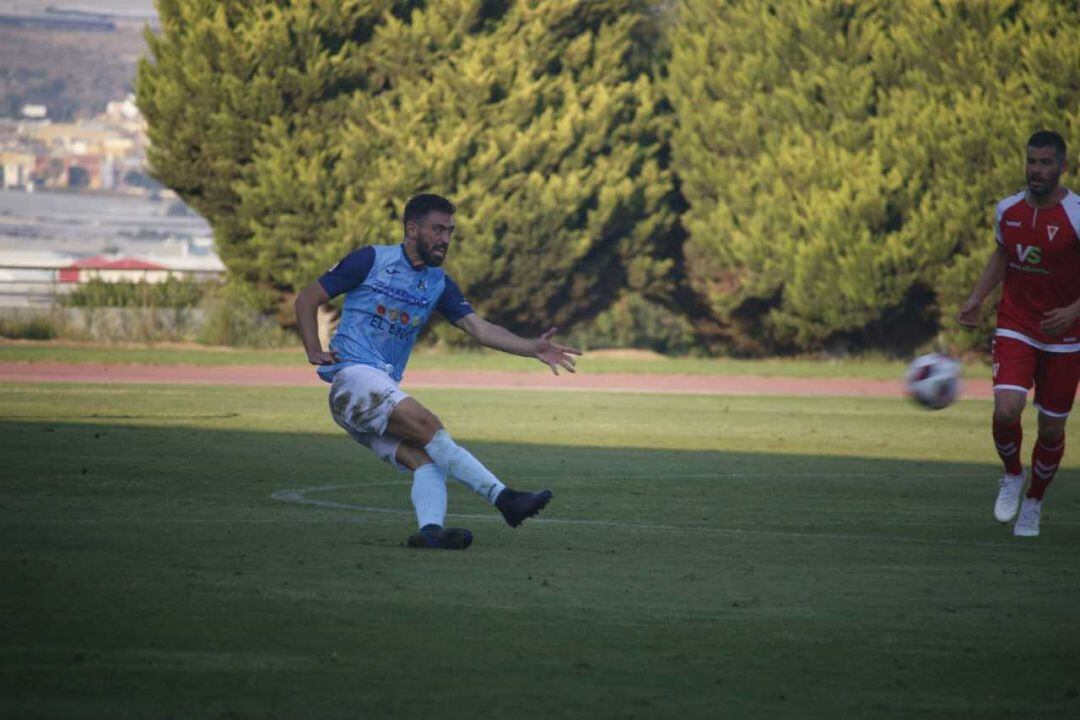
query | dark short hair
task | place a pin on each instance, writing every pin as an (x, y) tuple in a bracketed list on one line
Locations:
[(1048, 138), (420, 205)]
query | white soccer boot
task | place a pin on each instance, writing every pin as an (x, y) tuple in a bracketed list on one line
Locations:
[(1008, 499), (1027, 525)]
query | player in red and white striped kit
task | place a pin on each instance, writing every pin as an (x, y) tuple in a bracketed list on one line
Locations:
[(1037, 340)]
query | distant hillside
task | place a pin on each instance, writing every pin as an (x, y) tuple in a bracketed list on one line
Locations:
[(73, 73)]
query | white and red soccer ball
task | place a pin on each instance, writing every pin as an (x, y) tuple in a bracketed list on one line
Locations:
[(933, 381)]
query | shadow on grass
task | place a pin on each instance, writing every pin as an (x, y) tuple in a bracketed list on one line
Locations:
[(612, 488), (150, 572)]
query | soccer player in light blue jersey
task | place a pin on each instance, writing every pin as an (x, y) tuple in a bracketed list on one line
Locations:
[(390, 293)]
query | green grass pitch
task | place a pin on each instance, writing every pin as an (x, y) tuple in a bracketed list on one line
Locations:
[(187, 551)]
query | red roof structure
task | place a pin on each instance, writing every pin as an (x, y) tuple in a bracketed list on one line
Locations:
[(104, 262), (70, 274)]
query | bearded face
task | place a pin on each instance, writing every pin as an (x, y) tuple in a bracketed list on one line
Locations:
[(1043, 170), (431, 237)]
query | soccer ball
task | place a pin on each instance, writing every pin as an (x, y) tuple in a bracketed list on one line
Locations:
[(933, 381)]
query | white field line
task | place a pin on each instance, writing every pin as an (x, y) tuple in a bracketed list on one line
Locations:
[(300, 496)]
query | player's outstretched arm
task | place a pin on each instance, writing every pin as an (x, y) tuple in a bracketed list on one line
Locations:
[(542, 348), (993, 273), (307, 307)]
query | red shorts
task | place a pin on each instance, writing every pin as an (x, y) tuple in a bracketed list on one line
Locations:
[(1017, 365)]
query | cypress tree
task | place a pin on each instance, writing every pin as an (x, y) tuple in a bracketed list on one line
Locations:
[(221, 76), (792, 220), (538, 118), (841, 160)]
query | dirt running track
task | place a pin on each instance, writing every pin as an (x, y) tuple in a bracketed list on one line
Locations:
[(610, 382)]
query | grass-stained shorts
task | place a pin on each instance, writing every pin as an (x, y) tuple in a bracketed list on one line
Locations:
[(361, 401)]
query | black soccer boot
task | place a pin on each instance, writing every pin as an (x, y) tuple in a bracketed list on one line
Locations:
[(435, 537), (517, 506)]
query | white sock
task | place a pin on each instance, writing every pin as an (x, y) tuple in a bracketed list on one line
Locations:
[(429, 495), (459, 463)]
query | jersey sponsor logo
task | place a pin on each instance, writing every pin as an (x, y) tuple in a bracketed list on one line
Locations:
[(1013, 223), (391, 271), (1051, 231), (386, 319), (399, 294), (1029, 258), (398, 315), (1031, 254)]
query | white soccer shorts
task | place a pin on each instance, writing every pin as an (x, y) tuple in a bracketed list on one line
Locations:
[(361, 401)]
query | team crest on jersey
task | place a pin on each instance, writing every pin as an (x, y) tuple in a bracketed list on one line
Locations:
[(1051, 231), (421, 286)]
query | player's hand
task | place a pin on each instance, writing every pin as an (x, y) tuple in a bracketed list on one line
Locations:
[(968, 316), (553, 354), (1058, 320), (322, 357)]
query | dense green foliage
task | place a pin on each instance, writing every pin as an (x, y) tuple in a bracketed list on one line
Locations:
[(225, 313), (841, 160), (222, 74), (632, 321), (171, 293), (792, 176), (35, 328), (300, 131)]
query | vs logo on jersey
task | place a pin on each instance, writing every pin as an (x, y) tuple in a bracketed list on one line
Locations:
[(1031, 254)]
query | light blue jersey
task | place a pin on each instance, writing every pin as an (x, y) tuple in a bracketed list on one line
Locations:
[(387, 303)]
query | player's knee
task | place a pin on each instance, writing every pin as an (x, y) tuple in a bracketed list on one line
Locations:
[(413, 422), (1007, 414), (429, 424), (1051, 434), (1051, 439), (423, 426)]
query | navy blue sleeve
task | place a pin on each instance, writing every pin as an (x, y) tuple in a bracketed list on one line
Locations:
[(349, 272), (452, 304)]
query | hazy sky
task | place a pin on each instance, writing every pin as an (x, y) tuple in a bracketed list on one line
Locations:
[(23, 7)]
